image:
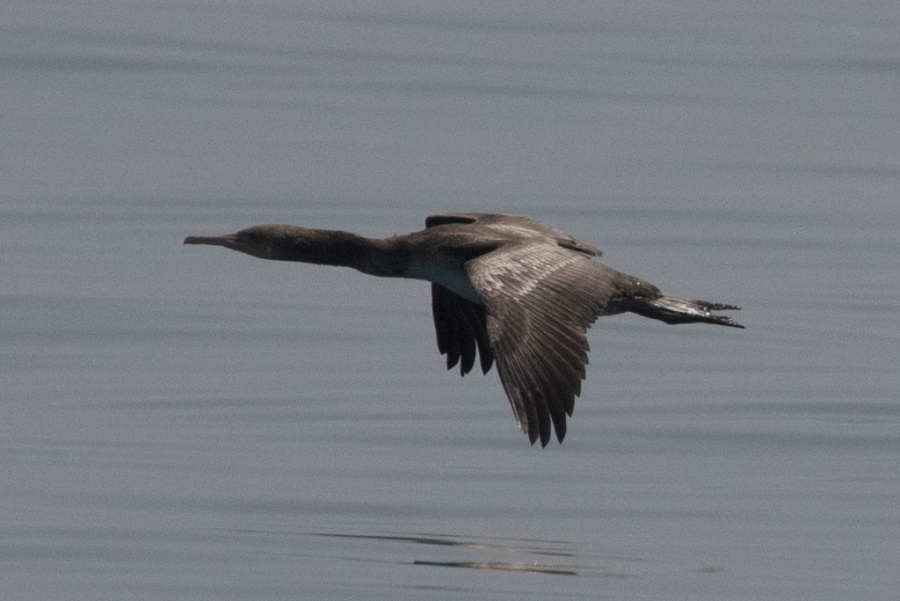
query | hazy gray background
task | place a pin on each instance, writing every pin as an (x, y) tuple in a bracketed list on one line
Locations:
[(189, 423)]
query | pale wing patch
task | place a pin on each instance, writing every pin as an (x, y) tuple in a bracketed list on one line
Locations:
[(521, 270)]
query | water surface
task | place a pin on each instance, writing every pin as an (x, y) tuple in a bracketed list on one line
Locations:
[(194, 424)]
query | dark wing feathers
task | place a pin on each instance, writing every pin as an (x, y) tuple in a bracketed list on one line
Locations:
[(460, 328), (539, 301), (433, 220), (540, 383)]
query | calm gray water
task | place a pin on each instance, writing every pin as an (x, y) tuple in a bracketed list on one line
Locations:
[(189, 423)]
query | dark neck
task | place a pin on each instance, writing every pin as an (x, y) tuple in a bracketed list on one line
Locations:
[(332, 247)]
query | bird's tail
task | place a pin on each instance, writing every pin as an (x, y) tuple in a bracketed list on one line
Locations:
[(677, 310)]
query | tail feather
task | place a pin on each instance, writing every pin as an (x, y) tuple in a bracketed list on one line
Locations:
[(678, 310)]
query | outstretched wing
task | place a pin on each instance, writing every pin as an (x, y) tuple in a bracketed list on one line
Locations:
[(539, 301)]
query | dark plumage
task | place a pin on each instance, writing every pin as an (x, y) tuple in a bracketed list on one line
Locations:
[(504, 288)]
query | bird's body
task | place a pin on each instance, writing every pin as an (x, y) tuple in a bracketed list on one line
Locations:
[(516, 291)]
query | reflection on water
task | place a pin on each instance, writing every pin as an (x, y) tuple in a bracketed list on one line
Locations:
[(499, 548)]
